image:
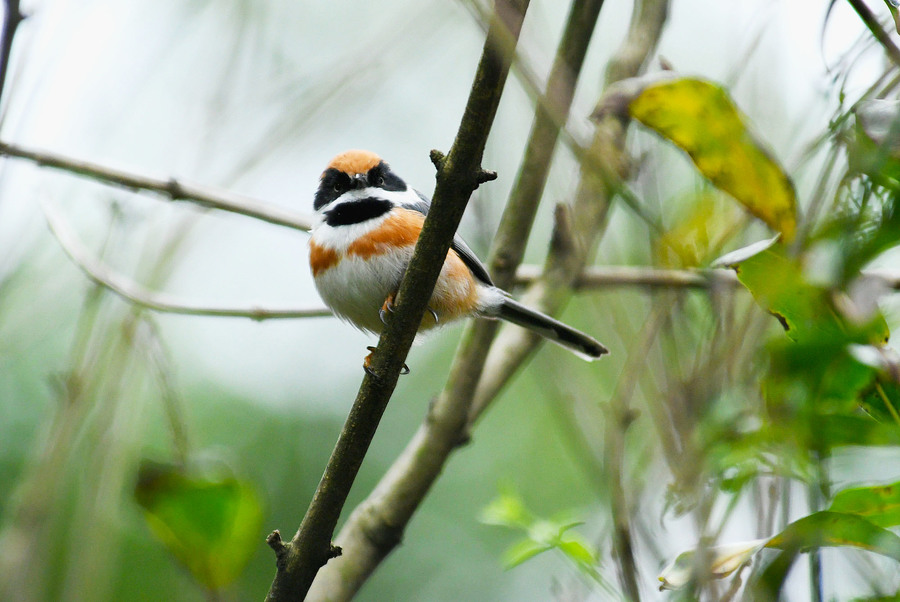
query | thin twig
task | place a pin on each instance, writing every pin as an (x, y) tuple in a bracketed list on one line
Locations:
[(871, 21), (134, 293), (171, 188), (162, 367), (580, 148), (599, 277), (13, 17), (619, 416), (458, 174)]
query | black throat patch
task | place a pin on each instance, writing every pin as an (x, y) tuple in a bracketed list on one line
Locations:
[(355, 212)]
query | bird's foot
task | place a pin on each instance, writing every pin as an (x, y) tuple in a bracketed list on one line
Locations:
[(367, 363), (387, 308)]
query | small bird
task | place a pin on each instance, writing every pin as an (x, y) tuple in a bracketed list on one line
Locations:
[(367, 224)]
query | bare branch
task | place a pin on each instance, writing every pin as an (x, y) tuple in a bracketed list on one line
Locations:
[(595, 277), (134, 293), (458, 175), (375, 527), (173, 189), (871, 21), (599, 277), (12, 18)]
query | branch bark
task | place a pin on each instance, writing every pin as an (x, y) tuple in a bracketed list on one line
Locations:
[(11, 21), (871, 21), (172, 188), (375, 527), (134, 293), (458, 175)]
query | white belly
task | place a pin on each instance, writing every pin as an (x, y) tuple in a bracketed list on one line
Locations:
[(356, 289)]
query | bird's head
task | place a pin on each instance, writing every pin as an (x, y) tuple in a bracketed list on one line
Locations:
[(355, 170)]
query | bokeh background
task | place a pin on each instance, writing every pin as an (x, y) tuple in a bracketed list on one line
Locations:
[(256, 97)]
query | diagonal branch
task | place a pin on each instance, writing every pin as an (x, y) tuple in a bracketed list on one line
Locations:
[(12, 18), (871, 21), (173, 189), (136, 294), (458, 175)]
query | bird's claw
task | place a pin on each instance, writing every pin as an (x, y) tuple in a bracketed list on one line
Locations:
[(367, 363), (387, 308)]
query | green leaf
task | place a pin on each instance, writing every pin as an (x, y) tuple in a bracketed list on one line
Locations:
[(879, 505), (578, 552), (777, 283), (209, 523), (829, 529), (823, 368), (699, 117), (507, 510), (882, 401), (562, 528), (806, 312), (857, 430), (521, 551), (814, 531)]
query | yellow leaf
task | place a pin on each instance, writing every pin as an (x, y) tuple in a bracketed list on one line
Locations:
[(699, 117)]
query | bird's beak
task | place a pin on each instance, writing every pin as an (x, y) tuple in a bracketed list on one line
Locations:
[(359, 181)]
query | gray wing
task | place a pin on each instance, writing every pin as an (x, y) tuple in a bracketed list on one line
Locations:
[(459, 245)]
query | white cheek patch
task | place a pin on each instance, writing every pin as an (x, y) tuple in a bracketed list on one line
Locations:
[(341, 237)]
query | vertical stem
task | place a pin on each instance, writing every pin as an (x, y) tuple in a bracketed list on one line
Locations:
[(619, 418), (817, 492), (11, 20), (871, 21)]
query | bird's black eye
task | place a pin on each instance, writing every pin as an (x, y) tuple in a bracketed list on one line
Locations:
[(341, 182), (380, 181)]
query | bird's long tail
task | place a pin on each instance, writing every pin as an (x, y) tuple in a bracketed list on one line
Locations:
[(579, 343)]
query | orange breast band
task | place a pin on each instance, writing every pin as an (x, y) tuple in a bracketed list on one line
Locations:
[(321, 259), (400, 229)]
